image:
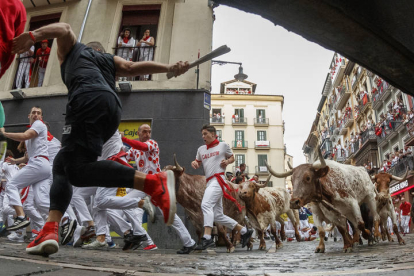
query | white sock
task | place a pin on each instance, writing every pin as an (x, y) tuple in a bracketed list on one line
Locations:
[(207, 237), (21, 217), (243, 231)]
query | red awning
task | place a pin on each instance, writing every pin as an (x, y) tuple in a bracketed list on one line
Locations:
[(403, 190)]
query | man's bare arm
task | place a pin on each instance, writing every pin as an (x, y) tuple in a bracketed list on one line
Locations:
[(62, 31), (21, 137), (126, 68)]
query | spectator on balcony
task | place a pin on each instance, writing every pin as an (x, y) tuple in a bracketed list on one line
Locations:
[(233, 118), (23, 73), (405, 119), (218, 117), (407, 151), (146, 50), (214, 118), (125, 45), (364, 97), (236, 117), (42, 57)]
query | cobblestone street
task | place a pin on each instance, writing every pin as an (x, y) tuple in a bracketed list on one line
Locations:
[(294, 258)]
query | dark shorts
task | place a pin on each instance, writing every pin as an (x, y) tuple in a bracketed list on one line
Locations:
[(91, 119)]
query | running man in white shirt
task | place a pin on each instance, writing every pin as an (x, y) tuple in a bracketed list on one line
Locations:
[(215, 156), (145, 153), (36, 173)]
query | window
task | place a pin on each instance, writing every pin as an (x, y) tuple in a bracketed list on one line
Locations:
[(262, 158), (219, 134), (32, 64), (239, 159), (216, 116), (260, 116), (239, 139), (142, 23), (239, 112), (261, 135)]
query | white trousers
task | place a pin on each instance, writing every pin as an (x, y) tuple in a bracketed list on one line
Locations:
[(29, 207), (405, 224), (41, 76), (23, 75), (304, 224), (8, 211), (212, 206), (78, 201), (37, 174)]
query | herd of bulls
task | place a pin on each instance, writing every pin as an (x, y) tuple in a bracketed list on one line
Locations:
[(337, 194)]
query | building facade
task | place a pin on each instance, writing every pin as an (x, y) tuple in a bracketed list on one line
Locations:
[(364, 121), (174, 108), (253, 127)]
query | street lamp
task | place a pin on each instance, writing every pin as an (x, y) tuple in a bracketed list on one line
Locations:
[(240, 76)]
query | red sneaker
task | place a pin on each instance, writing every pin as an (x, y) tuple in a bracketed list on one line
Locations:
[(47, 242), (151, 247), (161, 188)]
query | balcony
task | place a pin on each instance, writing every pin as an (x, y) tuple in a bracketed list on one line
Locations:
[(236, 169), (385, 90), (239, 144), (242, 121), (31, 70), (390, 133), (217, 121), (401, 167), (343, 97), (261, 170), (340, 73), (326, 148), (364, 107), (348, 120), (262, 145), (409, 140), (342, 129), (366, 148), (376, 102), (261, 122), (144, 53)]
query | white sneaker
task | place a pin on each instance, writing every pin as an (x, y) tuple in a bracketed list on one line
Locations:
[(95, 244), (12, 235), (77, 236), (33, 237), (150, 208), (18, 237)]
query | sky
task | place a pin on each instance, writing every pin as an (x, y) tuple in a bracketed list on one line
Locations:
[(279, 62)]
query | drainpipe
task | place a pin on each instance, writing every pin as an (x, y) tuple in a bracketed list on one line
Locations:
[(84, 21)]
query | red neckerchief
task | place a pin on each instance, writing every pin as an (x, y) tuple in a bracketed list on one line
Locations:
[(213, 144), (145, 38), (49, 135), (126, 39)]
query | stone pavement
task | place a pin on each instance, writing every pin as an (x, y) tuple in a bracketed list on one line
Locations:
[(294, 259)]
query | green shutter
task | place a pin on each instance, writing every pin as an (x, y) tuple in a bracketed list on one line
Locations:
[(262, 158)]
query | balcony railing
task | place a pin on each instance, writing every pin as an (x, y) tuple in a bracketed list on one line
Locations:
[(348, 120), (326, 148), (261, 121), (385, 90), (31, 71), (262, 144), (217, 121), (364, 107), (366, 137), (406, 162), (261, 170), (343, 97), (144, 53), (239, 144), (239, 121), (390, 132), (409, 141), (236, 169)]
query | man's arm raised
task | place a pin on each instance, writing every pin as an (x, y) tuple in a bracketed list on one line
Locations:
[(126, 68), (62, 31)]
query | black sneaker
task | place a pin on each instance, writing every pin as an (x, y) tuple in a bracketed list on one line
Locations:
[(204, 244), (246, 237), (133, 242), (19, 223), (187, 250), (325, 238), (66, 230)]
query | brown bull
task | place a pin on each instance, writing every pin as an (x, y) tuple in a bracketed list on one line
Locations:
[(264, 205), (189, 193), (385, 207)]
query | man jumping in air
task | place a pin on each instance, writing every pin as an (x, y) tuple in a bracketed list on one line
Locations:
[(93, 113)]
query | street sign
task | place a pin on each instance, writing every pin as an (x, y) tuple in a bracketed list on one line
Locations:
[(207, 101)]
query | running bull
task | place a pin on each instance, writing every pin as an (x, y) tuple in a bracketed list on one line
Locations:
[(336, 192), (264, 205), (189, 193)]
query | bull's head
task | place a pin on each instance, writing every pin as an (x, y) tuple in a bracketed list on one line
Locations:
[(178, 171), (383, 180), (248, 189), (305, 181)]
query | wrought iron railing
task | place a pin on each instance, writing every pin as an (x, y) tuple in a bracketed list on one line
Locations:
[(30, 71)]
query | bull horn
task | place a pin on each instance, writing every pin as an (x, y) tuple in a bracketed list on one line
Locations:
[(178, 167), (264, 184), (401, 179), (290, 165), (322, 164), (278, 175)]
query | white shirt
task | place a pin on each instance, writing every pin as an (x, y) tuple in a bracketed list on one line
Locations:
[(38, 145), (9, 170), (25, 57), (147, 161), (54, 147), (212, 157), (112, 146)]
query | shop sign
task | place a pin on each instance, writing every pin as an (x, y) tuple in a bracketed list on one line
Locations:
[(398, 187)]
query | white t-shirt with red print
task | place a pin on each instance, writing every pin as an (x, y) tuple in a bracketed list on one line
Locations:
[(212, 157), (147, 161)]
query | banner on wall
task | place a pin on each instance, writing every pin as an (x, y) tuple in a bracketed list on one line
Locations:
[(130, 128)]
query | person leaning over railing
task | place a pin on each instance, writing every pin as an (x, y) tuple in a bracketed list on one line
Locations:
[(146, 50), (42, 57), (125, 46), (23, 73)]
